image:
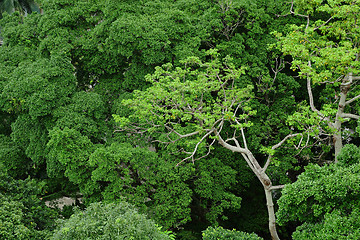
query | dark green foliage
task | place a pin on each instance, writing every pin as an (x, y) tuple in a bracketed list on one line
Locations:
[(22, 213), (335, 226), (219, 233), (349, 155), (322, 195), (13, 159), (145, 180), (109, 221), (69, 151), (212, 184)]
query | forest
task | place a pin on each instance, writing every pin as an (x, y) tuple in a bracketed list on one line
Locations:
[(180, 119)]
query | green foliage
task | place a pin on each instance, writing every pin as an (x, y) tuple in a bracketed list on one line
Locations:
[(321, 198), (63, 73), (199, 94), (336, 225), (85, 114), (319, 190), (69, 151), (22, 213), (109, 221), (143, 179), (214, 180), (12, 158), (349, 155), (219, 233)]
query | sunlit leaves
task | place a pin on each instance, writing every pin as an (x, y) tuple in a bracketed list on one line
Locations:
[(199, 93)]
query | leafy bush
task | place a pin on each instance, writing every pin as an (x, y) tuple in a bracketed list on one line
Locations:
[(109, 221), (220, 233), (335, 226), (349, 155)]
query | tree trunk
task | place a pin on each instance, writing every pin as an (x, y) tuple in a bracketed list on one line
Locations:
[(271, 213), (344, 89), (261, 175)]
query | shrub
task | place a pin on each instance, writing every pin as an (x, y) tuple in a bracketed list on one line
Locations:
[(219, 233), (109, 221)]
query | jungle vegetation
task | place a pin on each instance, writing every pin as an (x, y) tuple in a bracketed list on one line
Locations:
[(213, 119)]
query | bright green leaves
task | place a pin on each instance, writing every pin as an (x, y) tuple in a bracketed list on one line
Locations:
[(109, 221), (219, 233), (326, 48), (199, 93)]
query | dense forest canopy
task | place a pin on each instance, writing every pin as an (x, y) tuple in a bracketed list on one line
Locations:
[(214, 119)]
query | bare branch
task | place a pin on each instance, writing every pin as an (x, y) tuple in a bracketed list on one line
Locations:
[(229, 146), (182, 135), (250, 163), (311, 98), (306, 144), (277, 187), (196, 148), (275, 147), (350, 115), (351, 100), (244, 139), (323, 23)]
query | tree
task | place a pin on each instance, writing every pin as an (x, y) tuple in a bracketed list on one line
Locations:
[(109, 221), (325, 54), (196, 106), (325, 199)]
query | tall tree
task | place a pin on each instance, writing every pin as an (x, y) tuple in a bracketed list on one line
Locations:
[(197, 106), (325, 53)]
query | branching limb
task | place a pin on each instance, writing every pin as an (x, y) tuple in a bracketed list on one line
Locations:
[(275, 147), (350, 115), (352, 100), (277, 187), (229, 146), (323, 23), (196, 148), (296, 14), (181, 135)]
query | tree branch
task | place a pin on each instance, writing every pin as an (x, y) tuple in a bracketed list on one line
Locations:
[(350, 115), (196, 148), (323, 23), (277, 187), (311, 98), (229, 146), (275, 147), (351, 100)]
